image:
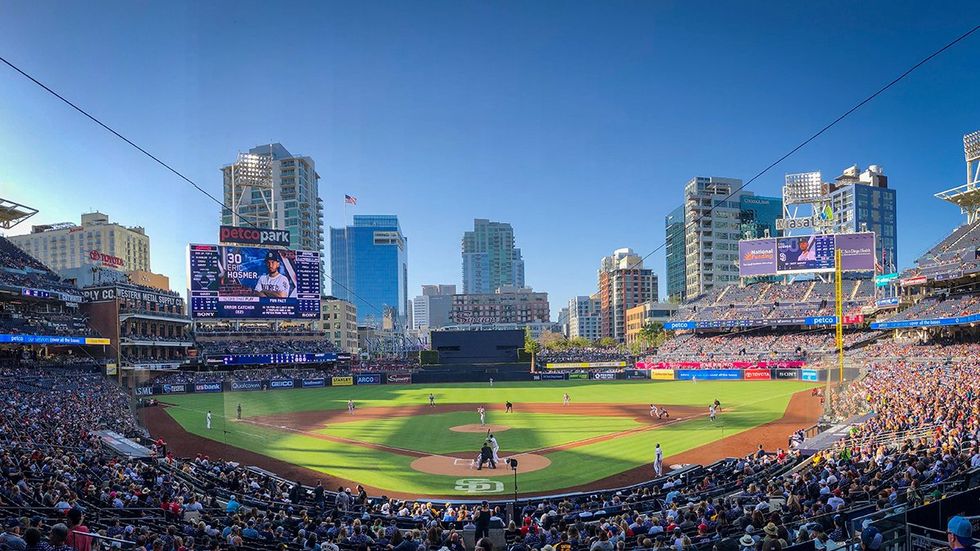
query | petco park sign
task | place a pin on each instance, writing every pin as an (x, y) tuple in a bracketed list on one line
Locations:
[(253, 236)]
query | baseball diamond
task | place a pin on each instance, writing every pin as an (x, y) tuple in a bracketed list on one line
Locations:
[(396, 444)]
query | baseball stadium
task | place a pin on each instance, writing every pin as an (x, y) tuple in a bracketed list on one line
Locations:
[(800, 390)]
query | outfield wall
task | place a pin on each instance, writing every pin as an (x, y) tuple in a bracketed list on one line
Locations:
[(435, 377)]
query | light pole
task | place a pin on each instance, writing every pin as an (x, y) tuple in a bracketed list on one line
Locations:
[(513, 465)]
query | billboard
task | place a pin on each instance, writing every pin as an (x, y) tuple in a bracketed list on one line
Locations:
[(857, 251), (253, 282), (756, 257), (805, 253), (584, 365), (253, 236)]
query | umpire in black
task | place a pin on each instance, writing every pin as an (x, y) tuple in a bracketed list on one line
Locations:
[(486, 456)]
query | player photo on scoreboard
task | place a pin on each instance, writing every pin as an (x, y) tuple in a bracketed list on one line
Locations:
[(251, 271)]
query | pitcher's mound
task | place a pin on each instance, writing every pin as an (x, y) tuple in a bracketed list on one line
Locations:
[(476, 427), (455, 466)]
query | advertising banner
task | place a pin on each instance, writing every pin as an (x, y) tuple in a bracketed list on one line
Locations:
[(762, 364), (662, 374), (111, 369), (143, 391), (708, 374), (253, 236), (246, 385), (854, 319), (578, 375), (786, 374), (756, 257), (207, 387), (281, 383), (584, 365), (889, 302), (399, 378), (936, 322), (635, 374), (678, 325), (757, 375), (49, 339), (341, 381), (857, 251), (913, 281), (808, 375), (314, 383), (807, 253), (368, 379), (545, 376), (603, 376), (884, 280), (253, 282), (271, 359), (174, 389)]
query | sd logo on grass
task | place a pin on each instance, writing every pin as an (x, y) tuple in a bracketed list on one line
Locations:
[(479, 486)]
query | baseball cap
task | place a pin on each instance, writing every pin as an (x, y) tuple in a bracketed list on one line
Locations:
[(269, 255), (962, 529)]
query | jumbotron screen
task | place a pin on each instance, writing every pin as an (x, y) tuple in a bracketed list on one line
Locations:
[(253, 282)]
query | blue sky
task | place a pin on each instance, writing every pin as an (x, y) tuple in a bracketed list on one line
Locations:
[(577, 122)]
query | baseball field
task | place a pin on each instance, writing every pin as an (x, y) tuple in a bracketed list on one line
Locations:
[(396, 444)]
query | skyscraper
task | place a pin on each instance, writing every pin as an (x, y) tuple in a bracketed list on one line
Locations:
[(269, 187), (431, 308), (862, 201), (583, 317), (675, 256), (623, 284), (369, 267), (490, 259), (716, 217)]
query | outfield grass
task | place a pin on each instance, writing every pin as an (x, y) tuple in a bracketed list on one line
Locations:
[(746, 404)]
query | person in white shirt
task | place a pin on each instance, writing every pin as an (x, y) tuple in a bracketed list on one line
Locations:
[(495, 447), (208, 419), (272, 284), (658, 461)]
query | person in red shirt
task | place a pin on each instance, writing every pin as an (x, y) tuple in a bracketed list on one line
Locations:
[(78, 541)]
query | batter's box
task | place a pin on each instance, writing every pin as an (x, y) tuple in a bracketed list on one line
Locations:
[(464, 462)]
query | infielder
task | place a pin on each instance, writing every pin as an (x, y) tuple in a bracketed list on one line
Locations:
[(566, 399), (432, 399), (350, 407), (654, 411), (712, 411), (272, 284)]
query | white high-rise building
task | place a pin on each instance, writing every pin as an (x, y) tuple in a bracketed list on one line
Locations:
[(583, 317), (269, 187)]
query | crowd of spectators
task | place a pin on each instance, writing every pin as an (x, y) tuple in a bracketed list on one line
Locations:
[(583, 354), (271, 345), (941, 306), (20, 270)]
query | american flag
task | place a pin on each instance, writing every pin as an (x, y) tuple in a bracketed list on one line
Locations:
[(350, 199)]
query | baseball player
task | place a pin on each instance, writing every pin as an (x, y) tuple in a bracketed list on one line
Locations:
[(350, 407), (508, 407), (272, 284), (432, 399), (491, 382), (208, 419), (494, 446), (658, 460), (654, 411), (712, 411), (483, 415), (566, 399)]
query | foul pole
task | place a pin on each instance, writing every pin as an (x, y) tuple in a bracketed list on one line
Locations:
[(839, 307)]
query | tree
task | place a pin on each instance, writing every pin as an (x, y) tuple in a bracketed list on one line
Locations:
[(552, 340), (607, 342), (531, 346), (579, 342), (652, 335)]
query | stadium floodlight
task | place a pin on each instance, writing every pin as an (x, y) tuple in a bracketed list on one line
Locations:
[(971, 146), (803, 187)]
